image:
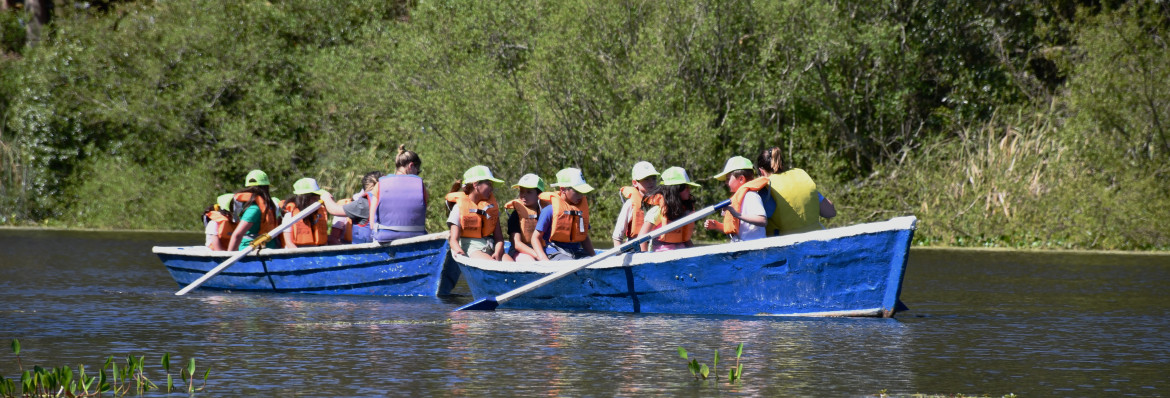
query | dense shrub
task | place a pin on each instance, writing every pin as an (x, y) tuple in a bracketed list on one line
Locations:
[(976, 116)]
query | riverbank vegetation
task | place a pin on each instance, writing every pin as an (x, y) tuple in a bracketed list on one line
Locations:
[(130, 378), (997, 123)]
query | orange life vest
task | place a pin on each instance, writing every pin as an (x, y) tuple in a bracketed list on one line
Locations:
[(313, 230), (224, 231), (637, 215), (476, 220), (679, 235), (731, 224), (528, 218), (268, 220), (570, 222)]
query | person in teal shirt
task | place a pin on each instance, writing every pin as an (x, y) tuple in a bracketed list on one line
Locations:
[(259, 212)]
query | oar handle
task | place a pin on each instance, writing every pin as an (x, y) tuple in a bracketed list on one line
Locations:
[(255, 245), (609, 253)]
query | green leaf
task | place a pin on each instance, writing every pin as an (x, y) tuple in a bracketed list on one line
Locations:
[(166, 362), (682, 352), (16, 347), (731, 375), (739, 371), (191, 367), (170, 383), (704, 371), (739, 350), (715, 362)]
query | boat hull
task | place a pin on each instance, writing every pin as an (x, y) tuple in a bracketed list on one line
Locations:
[(852, 271), (418, 266)]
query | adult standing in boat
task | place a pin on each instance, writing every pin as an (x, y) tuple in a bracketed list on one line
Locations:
[(643, 178), (312, 230), (746, 217), (357, 210), (798, 203), (475, 217), (671, 200), (218, 223), (398, 202), (562, 230), (522, 220), (256, 211)]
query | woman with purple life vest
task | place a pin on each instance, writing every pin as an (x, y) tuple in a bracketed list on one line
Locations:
[(397, 202)]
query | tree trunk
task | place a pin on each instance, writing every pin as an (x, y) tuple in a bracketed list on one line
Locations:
[(41, 12)]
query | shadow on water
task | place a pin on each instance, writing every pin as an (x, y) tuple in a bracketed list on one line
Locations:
[(980, 323)]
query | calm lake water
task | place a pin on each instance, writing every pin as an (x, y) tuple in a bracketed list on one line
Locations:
[(1033, 324)]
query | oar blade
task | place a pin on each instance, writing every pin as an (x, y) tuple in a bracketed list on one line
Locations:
[(483, 304)]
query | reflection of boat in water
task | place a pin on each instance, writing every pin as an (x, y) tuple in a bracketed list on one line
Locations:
[(849, 271), (418, 266)]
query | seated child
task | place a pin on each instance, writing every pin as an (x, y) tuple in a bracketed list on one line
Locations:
[(671, 200), (475, 217), (746, 217), (525, 213)]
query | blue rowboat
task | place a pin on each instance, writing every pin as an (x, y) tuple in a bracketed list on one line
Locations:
[(419, 266), (849, 271)]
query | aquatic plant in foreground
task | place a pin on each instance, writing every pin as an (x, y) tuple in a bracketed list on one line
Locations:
[(700, 370), (121, 380)]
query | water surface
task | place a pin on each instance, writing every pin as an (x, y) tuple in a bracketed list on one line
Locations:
[(1033, 324)]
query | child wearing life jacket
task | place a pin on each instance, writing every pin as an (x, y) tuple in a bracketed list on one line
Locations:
[(218, 223), (256, 212), (746, 217), (798, 203), (643, 178), (313, 229), (475, 217), (671, 200), (562, 230), (351, 222), (522, 220)]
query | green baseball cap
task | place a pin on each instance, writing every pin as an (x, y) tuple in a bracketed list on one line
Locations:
[(643, 170), (531, 181), (676, 176), (733, 164), (224, 201), (572, 178), (479, 173), (256, 177), (307, 185)]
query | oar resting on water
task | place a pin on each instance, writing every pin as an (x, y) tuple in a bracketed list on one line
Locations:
[(256, 244), (490, 303)]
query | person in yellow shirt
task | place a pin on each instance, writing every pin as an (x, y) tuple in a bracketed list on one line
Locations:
[(798, 203)]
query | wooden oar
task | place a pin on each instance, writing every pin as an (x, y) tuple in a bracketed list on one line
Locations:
[(256, 244), (490, 303)]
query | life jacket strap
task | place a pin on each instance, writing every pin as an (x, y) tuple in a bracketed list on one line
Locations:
[(399, 228)]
